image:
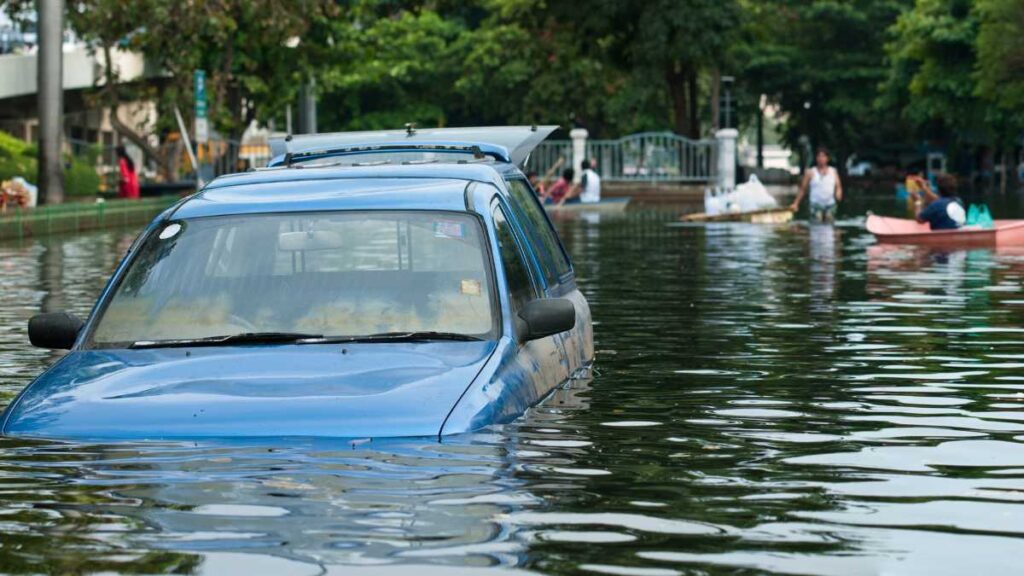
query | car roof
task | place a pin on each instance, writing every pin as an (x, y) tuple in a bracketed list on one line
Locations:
[(311, 189), (511, 144)]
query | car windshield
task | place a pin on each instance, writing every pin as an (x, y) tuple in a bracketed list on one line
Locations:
[(334, 274)]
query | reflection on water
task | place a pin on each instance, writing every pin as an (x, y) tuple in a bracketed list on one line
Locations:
[(794, 399)]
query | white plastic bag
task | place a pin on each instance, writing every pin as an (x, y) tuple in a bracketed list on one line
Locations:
[(752, 195), (747, 197)]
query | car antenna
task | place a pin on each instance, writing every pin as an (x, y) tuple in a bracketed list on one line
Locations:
[(288, 151), (410, 128)]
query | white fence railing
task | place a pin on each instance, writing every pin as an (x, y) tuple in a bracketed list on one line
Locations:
[(644, 157)]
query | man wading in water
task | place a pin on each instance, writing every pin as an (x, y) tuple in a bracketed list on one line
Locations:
[(826, 189)]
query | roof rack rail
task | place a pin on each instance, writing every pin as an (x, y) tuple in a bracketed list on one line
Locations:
[(504, 143)]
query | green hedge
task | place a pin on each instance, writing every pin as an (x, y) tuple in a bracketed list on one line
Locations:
[(18, 158)]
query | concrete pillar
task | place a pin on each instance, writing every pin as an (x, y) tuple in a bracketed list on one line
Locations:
[(579, 151), (50, 99), (726, 139)]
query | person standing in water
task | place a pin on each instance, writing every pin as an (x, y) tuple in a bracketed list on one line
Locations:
[(826, 189)]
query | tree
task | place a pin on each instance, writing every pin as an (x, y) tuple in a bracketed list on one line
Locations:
[(1000, 65), (932, 55), (478, 62), (257, 53), (821, 62), (671, 43)]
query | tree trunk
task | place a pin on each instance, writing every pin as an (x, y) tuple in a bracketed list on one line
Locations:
[(1003, 172), (716, 99), (694, 102), (676, 80), (114, 100), (760, 136)]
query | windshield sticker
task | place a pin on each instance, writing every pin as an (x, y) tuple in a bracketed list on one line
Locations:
[(170, 232), (471, 288), (448, 229)]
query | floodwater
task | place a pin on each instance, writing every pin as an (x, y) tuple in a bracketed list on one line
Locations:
[(791, 399)]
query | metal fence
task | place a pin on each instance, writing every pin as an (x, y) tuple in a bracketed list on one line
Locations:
[(216, 158), (643, 157), (555, 154), (228, 156)]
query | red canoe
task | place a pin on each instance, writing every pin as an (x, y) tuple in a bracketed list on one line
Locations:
[(904, 231)]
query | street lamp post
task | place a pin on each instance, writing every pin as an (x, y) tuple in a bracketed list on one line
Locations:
[(727, 83), (50, 99)]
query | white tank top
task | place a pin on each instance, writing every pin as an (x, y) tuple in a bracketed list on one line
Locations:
[(591, 187), (823, 187)]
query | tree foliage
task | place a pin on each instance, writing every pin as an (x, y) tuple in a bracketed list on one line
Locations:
[(821, 62), (855, 75), (933, 59), (1000, 69)]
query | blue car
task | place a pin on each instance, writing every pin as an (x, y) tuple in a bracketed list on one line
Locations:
[(401, 284)]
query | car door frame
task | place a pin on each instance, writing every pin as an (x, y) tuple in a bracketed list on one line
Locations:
[(577, 345)]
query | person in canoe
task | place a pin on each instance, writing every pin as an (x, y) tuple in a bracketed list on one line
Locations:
[(825, 186), (561, 191), (942, 211), (588, 191), (540, 183)]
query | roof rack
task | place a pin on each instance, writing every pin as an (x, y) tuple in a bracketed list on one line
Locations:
[(503, 143)]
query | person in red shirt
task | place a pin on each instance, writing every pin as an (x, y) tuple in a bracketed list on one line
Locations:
[(559, 190), (128, 182)]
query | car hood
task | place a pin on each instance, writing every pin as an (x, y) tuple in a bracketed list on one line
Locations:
[(351, 391)]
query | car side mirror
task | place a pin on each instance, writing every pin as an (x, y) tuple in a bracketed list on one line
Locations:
[(545, 317), (57, 330)]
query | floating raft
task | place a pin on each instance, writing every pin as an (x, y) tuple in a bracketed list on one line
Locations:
[(606, 205), (769, 216), (905, 231)]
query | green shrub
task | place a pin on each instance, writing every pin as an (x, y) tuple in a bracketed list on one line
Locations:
[(80, 178), (11, 147), (18, 158), (18, 166)]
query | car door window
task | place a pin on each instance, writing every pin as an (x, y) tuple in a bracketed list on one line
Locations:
[(542, 235), (517, 274)]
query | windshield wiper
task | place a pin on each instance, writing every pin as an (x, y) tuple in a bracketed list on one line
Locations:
[(424, 336), (242, 338)]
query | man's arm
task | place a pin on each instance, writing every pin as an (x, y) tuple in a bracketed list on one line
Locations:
[(929, 194), (924, 214), (546, 178), (839, 187), (574, 191), (803, 190)]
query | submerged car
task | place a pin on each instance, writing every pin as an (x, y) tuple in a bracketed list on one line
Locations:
[(365, 285)]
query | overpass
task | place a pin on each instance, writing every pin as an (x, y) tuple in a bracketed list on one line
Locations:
[(83, 71)]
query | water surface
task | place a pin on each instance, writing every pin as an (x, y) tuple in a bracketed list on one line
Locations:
[(792, 399)]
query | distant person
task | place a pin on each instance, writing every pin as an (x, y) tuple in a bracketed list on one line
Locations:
[(589, 188), (942, 211), (590, 185), (535, 183), (560, 190), (826, 189), (540, 183), (128, 181)]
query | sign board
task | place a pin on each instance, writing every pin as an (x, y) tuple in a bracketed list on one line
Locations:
[(202, 127), (202, 130)]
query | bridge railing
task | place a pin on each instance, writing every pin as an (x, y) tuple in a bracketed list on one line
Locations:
[(645, 157)]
